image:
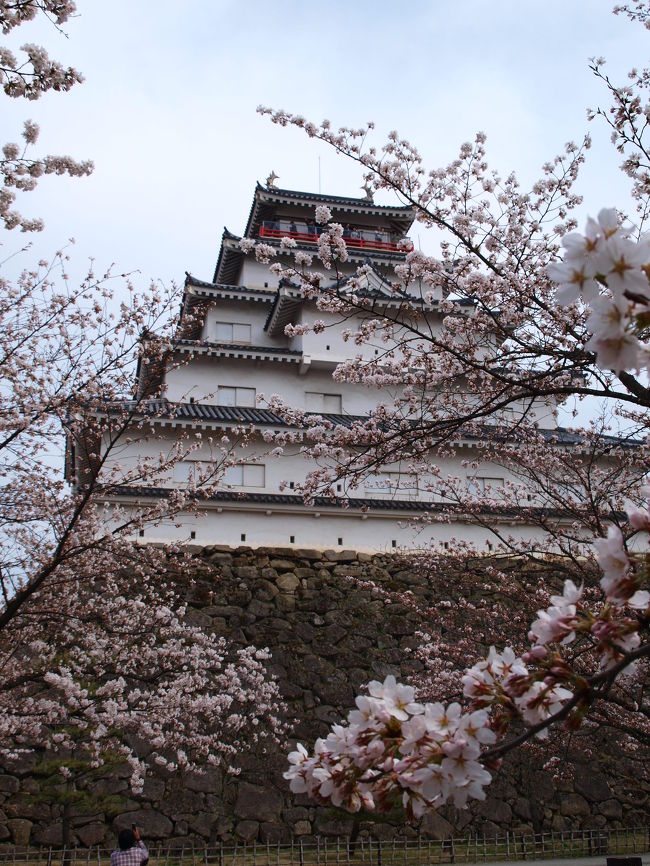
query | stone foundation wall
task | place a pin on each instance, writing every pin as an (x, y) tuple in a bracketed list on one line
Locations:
[(327, 637)]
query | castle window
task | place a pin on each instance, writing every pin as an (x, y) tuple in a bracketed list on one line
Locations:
[(187, 471), (232, 332), (231, 395), (478, 485), (328, 403), (245, 475)]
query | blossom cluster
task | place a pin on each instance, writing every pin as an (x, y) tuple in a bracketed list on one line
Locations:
[(29, 78), (609, 271), (393, 746)]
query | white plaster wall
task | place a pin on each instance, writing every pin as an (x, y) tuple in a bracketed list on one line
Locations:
[(256, 275), (290, 468), (330, 344), (345, 530), (249, 312), (200, 378)]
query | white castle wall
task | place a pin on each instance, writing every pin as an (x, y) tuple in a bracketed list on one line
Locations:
[(275, 526)]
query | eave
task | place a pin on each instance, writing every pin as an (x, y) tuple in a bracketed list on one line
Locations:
[(353, 507), (239, 351), (221, 291)]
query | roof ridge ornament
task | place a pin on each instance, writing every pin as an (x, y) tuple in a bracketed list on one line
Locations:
[(368, 191), (271, 179)]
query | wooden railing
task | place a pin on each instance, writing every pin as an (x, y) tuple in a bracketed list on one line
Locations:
[(364, 240)]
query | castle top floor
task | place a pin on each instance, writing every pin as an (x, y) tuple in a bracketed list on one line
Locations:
[(371, 231)]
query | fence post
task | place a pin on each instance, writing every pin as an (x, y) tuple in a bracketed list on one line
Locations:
[(302, 856)]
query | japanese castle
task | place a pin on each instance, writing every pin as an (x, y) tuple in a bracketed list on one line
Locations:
[(232, 353)]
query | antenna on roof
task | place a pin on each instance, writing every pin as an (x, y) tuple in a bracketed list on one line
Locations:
[(319, 175)]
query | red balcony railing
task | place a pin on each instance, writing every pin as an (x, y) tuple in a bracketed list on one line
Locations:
[(365, 239)]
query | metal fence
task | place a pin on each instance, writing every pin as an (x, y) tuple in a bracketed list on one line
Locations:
[(365, 851)]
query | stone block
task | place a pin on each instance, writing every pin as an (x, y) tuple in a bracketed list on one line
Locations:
[(222, 610), (325, 713), (20, 830), (286, 603), (247, 830), (522, 808), (496, 811), (85, 818), (50, 834), (304, 631), (274, 833), (296, 813), (436, 827), (329, 824), (9, 784), (5, 833), (591, 784), (301, 828), (180, 802), (611, 809), (288, 582), (573, 805), (220, 556), (154, 789), (258, 803), (340, 555), (201, 823), (210, 781), (92, 834), (543, 786), (259, 609), (282, 564), (303, 553), (110, 786), (335, 633), (152, 824)]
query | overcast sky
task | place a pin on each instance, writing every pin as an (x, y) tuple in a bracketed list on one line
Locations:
[(167, 111)]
